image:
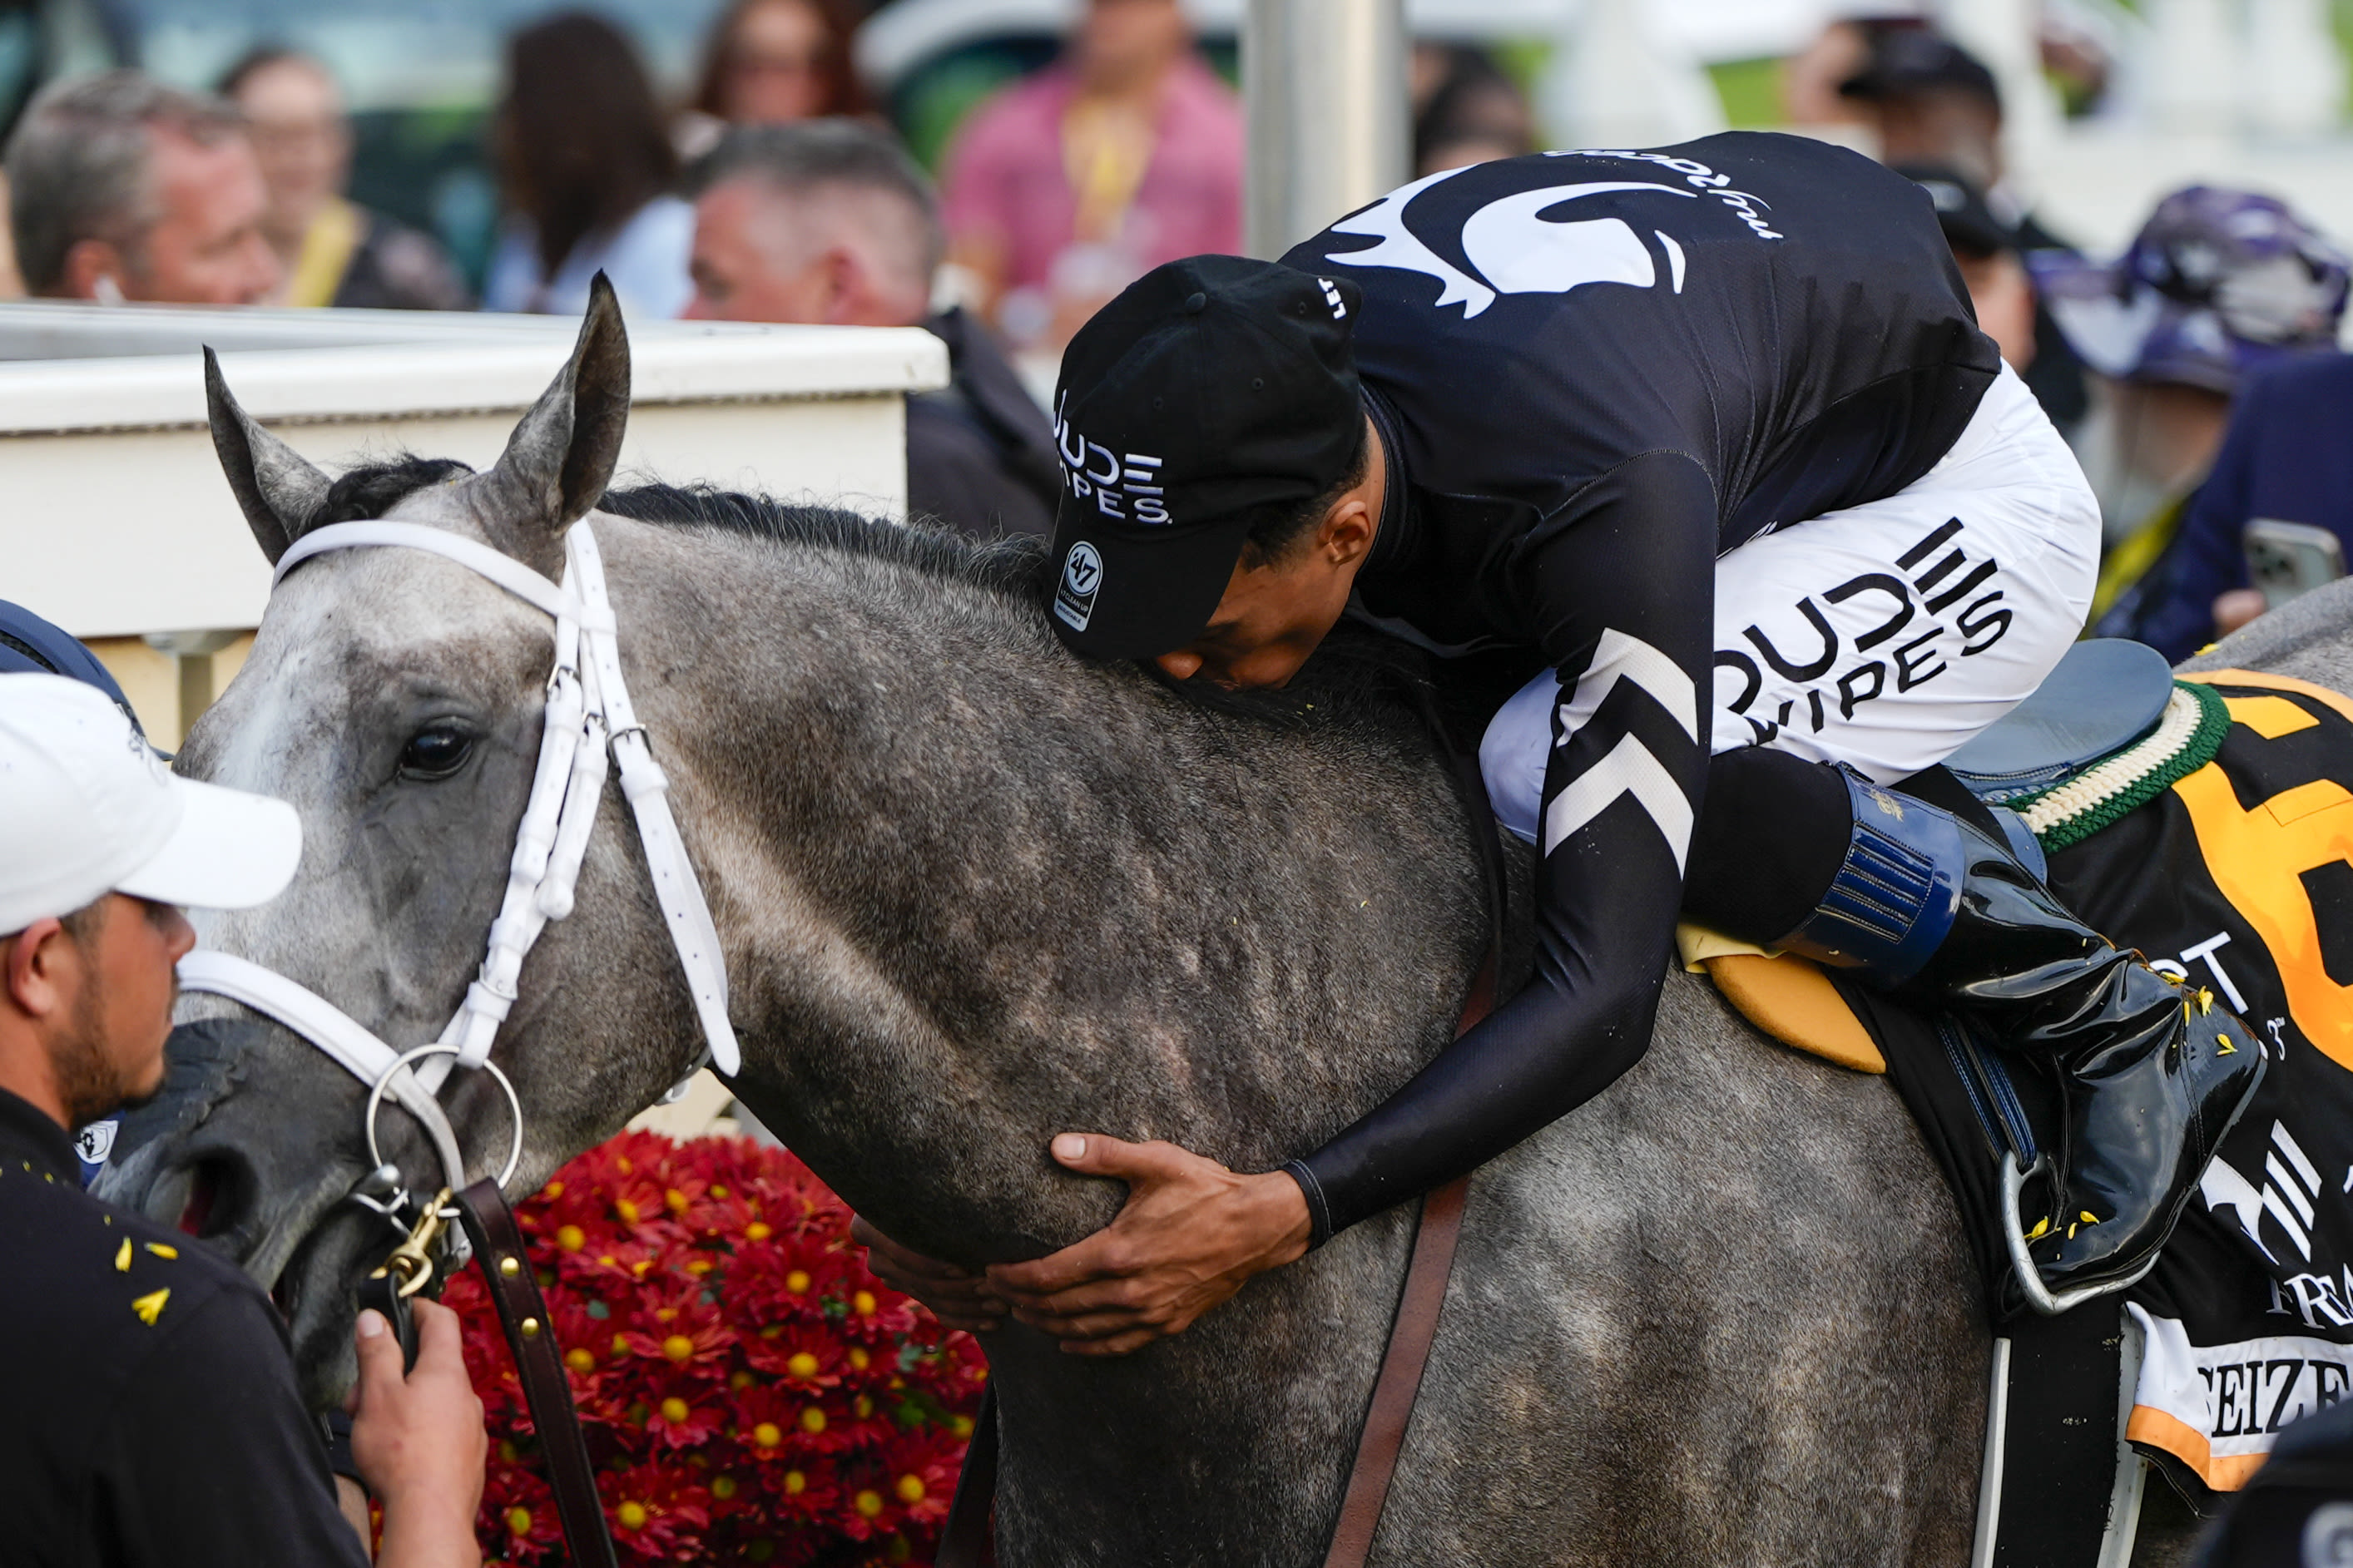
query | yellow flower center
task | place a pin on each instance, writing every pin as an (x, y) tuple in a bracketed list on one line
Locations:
[(863, 1303), (623, 1165), (911, 1489), (508, 1452), (798, 1282), (739, 1381), (677, 1347), (632, 1515), (664, 1314), (859, 1358), (869, 1503), (699, 1268), (863, 1405), (674, 1410), (722, 1488), (580, 1359), (519, 1520), (802, 1365), (768, 1436), (758, 1230), (794, 1483), (812, 1420), (571, 1238), (554, 1189), (717, 1191), (960, 1424), (674, 1201), (626, 1210), (620, 1344)]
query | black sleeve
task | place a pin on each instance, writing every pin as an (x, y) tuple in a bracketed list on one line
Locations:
[(210, 1458), (1620, 587)]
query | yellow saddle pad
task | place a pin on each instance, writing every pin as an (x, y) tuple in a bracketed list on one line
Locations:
[(1786, 996)]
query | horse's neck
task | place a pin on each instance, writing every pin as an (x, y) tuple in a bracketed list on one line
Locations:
[(974, 893)]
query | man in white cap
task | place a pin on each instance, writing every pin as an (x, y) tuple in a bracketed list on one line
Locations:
[(150, 1414)]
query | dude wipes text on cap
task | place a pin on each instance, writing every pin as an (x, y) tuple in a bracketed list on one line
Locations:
[(1212, 391)]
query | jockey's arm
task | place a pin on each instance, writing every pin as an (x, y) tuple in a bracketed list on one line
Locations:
[(1621, 594), (1619, 590)]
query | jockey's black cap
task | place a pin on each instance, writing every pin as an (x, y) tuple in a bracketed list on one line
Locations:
[(1212, 391)]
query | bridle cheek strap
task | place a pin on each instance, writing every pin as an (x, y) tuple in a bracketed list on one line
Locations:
[(590, 725), (352, 1045)]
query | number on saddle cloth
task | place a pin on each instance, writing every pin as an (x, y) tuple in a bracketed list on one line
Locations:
[(2237, 876)]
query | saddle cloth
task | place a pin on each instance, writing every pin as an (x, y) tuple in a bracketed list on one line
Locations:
[(2239, 876)]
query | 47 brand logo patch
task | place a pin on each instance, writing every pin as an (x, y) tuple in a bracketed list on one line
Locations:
[(1081, 580)]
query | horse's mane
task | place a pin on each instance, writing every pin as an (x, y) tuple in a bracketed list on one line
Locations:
[(1355, 675)]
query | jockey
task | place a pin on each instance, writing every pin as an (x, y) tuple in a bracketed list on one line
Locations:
[(1542, 405)]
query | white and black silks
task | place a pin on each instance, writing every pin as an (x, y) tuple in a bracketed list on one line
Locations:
[(1594, 374)]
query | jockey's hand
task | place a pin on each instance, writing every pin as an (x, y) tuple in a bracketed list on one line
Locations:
[(1191, 1233), (958, 1297)]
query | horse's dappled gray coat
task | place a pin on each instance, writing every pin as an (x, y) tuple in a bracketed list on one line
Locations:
[(975, 892)]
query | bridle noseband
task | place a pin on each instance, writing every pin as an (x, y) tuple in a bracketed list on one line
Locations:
[(590, 727)]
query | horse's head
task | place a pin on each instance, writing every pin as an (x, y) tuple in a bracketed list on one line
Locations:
[(395, 699)]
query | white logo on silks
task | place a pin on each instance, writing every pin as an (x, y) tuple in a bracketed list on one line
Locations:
[(1332, 297), (96, 1142), (1082, 575), (1629, 768), (1516, 251)]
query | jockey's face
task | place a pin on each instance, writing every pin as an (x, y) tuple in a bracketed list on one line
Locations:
[(1275, 612)]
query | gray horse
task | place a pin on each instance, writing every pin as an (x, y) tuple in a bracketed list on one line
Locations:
[(973, 892)]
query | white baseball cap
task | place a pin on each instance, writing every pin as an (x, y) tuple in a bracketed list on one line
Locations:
[(85, 809)]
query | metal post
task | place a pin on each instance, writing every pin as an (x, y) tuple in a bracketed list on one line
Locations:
[(1323, 87)]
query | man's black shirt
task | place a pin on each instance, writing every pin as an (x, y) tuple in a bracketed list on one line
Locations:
[(980, 456), (148, 1412), (1592, 374)]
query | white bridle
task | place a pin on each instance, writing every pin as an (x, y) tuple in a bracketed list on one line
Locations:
[(589, 721)]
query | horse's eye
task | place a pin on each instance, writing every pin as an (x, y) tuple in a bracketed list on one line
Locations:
[(436, 752)]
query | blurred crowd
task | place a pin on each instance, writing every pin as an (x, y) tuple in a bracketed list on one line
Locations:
[(2194, 374)]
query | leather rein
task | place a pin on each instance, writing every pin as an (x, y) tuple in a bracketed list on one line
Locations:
[(965, 1538), (590, 729)]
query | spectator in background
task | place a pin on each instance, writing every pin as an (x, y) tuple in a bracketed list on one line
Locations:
[(122, 188), (1465, 109), (830, 222), (333, 252), (586, 165), (771, 62), (1933, 103), (1066, 187), (2216, 283), (1811, 78), (1986, 251), (2285, 459)]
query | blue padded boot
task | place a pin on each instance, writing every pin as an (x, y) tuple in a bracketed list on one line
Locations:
[(2152, 1072)]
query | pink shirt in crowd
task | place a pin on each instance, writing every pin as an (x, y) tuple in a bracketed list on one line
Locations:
[(1006, 186)]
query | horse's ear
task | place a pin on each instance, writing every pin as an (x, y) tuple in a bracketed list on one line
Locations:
[(561, 458), (276, 486)]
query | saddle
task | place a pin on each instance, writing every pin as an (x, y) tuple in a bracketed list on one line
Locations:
[(2057, 1483), (2105, 699)]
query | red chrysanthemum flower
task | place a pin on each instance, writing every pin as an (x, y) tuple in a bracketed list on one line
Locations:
[(743, 1382)]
